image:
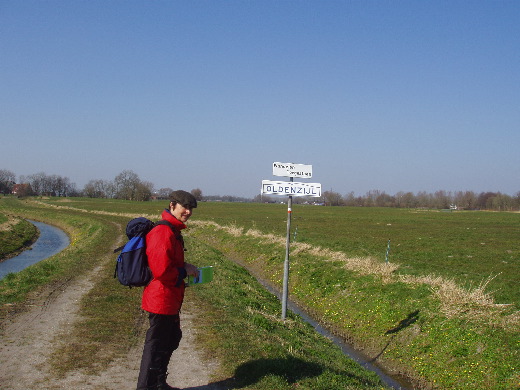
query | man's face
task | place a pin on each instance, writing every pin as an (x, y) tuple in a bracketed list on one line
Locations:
[(181, 212)]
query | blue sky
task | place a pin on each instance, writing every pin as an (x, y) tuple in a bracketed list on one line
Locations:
[(375, 95)]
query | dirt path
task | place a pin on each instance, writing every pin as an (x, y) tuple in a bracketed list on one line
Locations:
[(28, 340)]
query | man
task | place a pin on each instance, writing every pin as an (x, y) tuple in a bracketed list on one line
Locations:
[(163, 296)]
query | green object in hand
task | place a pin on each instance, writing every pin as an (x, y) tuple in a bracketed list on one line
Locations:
[(205, 276)]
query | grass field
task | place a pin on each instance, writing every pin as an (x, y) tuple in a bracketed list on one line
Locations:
[(467, 246), (432, 312), (427, 327)]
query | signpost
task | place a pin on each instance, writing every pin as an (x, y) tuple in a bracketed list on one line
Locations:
[(292, 170), (290, 189)]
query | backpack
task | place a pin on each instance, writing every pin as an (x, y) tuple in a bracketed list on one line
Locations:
[(132, 263)]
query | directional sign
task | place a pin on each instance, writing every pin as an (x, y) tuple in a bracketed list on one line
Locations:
[(292, 170), (290, 188)]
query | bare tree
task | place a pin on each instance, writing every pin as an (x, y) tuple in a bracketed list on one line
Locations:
[(442, 199), (38, 182), (502, 202), (7, 181), (50, 185), (60, 186), (143, 191), (197, 193), (350, 199), (95, 189), (385, 200), (164, 193), (332, 198), (126, 184), (423, 199), (466, 200), (483, 200), (109, 188)]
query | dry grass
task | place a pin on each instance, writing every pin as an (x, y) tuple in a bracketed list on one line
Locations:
[(472, 303), (11, 221), (99, 212)]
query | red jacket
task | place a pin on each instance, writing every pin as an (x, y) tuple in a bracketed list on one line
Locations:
[(165, 293)]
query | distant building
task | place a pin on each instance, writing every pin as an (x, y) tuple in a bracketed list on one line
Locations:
[(22, 190)]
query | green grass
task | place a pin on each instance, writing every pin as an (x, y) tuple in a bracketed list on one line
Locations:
[(466, 246), (400, 324), (304, 358), (241, 325), (430, 329)]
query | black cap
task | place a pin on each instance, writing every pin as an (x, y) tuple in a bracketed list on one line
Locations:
[(184, 198)]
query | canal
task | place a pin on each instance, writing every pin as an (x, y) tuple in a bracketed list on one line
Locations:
[(51, 241)]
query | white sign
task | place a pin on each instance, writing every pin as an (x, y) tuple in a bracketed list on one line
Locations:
[(290, 188), (292, 170)]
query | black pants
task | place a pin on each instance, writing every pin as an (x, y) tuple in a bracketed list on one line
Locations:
[(162, 338)]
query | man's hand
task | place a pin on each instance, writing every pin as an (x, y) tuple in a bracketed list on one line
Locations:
[(191, 270)]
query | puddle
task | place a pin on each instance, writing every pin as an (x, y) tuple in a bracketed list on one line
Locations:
[(51, 241)]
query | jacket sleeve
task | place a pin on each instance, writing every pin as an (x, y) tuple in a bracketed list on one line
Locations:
[(165, 256)]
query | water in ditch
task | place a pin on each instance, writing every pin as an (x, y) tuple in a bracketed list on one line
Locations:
[(392, 382), (51, 241)]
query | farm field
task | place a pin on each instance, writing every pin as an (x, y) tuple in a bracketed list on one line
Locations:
[(470, 247), (443, 311)]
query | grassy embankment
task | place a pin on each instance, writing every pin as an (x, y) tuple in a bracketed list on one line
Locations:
[(15, 235), (428, 313), (240, 326)]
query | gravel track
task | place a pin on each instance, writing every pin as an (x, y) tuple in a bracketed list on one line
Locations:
[(28, 339)]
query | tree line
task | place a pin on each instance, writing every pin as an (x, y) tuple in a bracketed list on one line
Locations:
[(36, 184), (458, 200), (127, 185)]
